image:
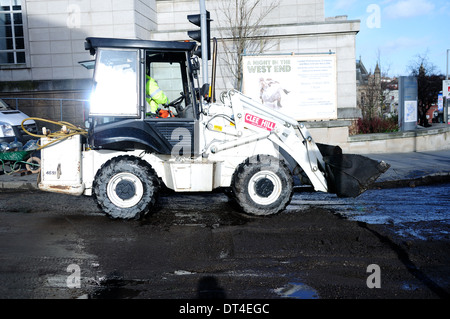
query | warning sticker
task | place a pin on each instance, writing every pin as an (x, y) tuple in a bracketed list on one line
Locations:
[(259, 122)]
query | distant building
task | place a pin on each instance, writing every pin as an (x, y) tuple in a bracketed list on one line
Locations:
[(391, 95), (42, 41), (362, 80), (376, 94)]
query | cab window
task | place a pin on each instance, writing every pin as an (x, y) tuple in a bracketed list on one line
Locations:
[(169, 70), (115, 84)]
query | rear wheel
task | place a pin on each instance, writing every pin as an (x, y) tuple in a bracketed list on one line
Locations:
[(262, 185), (126, 187)]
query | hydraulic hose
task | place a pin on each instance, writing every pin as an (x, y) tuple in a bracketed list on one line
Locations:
[(67, 130)]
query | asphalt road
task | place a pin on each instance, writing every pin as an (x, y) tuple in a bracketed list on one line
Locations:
[(195, 246)]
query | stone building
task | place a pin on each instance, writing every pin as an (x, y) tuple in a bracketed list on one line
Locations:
[(42, 41), (375, 92), (369, 90)]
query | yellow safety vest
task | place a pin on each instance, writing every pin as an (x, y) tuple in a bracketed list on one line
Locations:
[(154, 95)]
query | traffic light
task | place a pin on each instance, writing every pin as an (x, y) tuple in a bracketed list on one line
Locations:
[(197, 34)]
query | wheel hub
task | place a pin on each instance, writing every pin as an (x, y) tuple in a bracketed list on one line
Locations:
[(125, 189), (264, 187)]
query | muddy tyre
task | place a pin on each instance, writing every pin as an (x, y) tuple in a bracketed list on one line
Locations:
[(262, 185), (126, 187)]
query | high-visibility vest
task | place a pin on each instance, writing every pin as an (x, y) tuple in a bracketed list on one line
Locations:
[(154, 95)]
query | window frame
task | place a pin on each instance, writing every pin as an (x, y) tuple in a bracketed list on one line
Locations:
[(26, 49), (15, 51)]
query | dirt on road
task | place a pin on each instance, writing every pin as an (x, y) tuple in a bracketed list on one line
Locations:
[(199, 246)]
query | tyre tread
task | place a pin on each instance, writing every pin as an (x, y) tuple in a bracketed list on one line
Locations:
[(151, 184)]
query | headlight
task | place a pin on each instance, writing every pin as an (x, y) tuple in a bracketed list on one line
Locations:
[(6, 130)]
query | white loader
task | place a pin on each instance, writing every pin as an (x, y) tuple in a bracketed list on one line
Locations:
[(128, 153)]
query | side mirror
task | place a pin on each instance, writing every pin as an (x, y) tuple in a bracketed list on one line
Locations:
[(195, 66), (204, 91)]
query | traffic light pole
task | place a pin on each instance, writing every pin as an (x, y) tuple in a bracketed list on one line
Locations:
[(204, 47)]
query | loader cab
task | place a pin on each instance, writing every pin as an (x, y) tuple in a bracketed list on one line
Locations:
[(120, 117), (171, 72)]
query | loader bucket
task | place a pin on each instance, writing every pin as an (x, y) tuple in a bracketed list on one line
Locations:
[(349, 175)]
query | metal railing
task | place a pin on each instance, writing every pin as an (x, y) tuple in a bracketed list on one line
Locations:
[(83, 102)]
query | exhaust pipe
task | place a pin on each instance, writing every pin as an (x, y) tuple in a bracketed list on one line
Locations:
[(349, 175)]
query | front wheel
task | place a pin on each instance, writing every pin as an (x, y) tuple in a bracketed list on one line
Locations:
[(126, 187), (262, 185)]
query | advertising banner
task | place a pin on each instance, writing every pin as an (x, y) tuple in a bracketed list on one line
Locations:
[(446, 88), (410, 112), (407, 101), (440, 103), (301, 86)]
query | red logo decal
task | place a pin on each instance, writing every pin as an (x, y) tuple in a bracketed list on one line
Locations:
[(259, 122)]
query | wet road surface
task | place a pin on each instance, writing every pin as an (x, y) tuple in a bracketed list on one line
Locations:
[(413, 212), (199, 245)]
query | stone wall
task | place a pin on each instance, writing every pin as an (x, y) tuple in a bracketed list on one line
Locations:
[(419, 140), (55, 32)]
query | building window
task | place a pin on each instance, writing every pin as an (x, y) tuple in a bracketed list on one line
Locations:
[(12, 43)]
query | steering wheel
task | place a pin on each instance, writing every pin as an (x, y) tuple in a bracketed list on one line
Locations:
[(177, 103)]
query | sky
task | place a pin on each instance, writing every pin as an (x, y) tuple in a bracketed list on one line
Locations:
[(396, 33)]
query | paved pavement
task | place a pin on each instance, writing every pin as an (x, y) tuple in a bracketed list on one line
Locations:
[(415, 166), (404, 167), (18, 181)]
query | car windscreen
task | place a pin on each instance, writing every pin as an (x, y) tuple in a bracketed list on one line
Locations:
[(4, 106)]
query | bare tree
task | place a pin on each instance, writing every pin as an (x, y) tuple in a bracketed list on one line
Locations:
[(242, 32), (375, 90), (371, 95), (428, 86)]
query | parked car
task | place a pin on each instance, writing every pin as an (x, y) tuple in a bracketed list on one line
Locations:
[(11, 125)]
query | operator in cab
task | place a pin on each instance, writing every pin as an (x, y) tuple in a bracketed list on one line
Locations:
[(155, 97)]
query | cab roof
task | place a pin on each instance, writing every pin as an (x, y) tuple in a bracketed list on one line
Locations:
[(92, 43)]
